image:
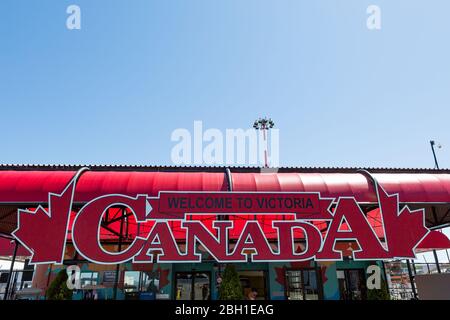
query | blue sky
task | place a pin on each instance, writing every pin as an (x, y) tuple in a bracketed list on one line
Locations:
[(112, 92)]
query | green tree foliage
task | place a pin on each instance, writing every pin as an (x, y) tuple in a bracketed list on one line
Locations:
[(379, 294), (230, 288), (58, 288)]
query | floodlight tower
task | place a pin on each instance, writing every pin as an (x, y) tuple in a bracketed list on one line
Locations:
[(264, 124), (433, 143)]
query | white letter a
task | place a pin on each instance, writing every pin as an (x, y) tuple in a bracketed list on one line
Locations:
[(374, 20), (74, 20)]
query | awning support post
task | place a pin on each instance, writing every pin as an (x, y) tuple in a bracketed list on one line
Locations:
[(411, 279), (116, 280), (414, 267), (436, 260), (8, 283)]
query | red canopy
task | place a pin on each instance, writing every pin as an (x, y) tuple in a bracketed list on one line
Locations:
[(434, 240), (7, 248), (411, 187), (34, 186), (25, 188)]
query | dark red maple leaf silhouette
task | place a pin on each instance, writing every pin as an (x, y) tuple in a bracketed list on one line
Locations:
[(281, 276), (163, 277), (404, 230), (44, 232)]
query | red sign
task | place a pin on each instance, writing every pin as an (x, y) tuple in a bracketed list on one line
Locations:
[(175, 205), (44, 232)]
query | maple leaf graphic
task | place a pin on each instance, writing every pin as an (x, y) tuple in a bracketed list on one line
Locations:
[(44, 232), (280, 275), (163, 277), (403, 230)]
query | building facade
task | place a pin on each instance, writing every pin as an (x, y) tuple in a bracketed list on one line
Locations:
[(28, 187)]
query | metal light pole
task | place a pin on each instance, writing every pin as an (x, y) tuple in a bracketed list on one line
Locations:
[(436, 165), (432, 143), (264, 124)]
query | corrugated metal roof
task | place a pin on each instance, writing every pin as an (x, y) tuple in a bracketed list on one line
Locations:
[(115, 167)]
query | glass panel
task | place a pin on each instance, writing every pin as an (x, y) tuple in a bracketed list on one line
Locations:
[(131, 281), (184, 286), (201, 286), (354, 283), (294, 285), (150, 282), (88, 279), (353, 287), (310, 285), (253, 279), (342, 288)]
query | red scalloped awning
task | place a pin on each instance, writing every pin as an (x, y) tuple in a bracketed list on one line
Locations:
[(411, 187), (7, 248), (31, 186), (434, 240), (34, 186)]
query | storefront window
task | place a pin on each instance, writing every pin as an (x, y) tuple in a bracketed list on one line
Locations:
[(302, 285), (352, 284), (88, 279), (141, 284), (131, 281), (253, 280), (192, 286), (150, 282)]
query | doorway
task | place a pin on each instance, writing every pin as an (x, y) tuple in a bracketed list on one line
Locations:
[(352, 284), (192, 286), (302, 284), (253, 280)]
